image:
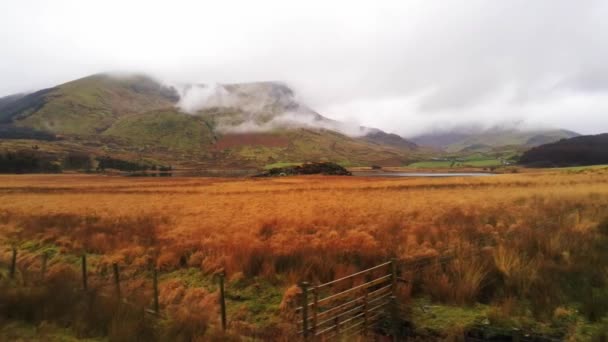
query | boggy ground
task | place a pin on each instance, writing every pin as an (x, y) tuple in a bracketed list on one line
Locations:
[(533, 246)]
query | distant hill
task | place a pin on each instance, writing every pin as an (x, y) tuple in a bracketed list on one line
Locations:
[(382, 138), (581, 150), (477, 148), (470, 139), (135, 117)]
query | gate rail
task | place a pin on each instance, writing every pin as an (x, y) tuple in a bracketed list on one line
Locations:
[(352, 311)]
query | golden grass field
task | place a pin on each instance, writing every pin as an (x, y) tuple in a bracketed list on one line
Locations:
[(540, 233)]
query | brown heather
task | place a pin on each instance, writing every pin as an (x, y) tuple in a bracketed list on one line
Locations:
[(525, 235)]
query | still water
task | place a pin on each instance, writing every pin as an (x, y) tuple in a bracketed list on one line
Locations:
[(422, 174)]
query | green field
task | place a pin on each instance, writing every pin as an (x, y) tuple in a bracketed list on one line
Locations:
[(582, 168), (487, 162)]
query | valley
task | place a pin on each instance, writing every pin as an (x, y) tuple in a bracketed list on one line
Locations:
[(189, 213), (315, 171), (250, 126)]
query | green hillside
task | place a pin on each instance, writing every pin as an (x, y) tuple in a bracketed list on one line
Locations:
[(164, 128), (510, 138), (486, 140), (283, 147), (134, 117), (92, 104)]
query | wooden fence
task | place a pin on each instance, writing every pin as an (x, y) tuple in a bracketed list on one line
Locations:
[(359, 309), (350, 306), (326, 314), (116, 280)]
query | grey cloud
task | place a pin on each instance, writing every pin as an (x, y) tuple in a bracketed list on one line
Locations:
[(403, 66), (590, 80)]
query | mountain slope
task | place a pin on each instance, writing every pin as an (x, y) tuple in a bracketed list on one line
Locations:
[(301, 145), (236, 125), (6, 101), (14, 107), (166, 129), (581, 150), (382, 138), (459, 140), (88, 105)]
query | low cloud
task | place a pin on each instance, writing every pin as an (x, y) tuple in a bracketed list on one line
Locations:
[(295, 120), (402, 66), (196, 97), (255, 102)]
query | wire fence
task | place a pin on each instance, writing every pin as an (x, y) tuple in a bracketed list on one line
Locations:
[(114, 292), (328, 311)]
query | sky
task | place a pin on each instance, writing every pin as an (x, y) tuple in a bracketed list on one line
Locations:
[(403, 66)]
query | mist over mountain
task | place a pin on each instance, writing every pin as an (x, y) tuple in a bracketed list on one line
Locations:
[(468, 137), (400, 67), (254, 123), (257, 107), (241, 124)]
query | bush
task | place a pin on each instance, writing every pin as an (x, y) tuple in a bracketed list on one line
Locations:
[(78, 161), (595, 305), (27, 162), (119, 164), (129, 323), (186, 325)]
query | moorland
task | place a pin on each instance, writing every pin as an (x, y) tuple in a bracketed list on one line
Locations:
[(531, 249)]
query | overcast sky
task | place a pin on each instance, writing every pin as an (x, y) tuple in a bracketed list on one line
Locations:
[(402, 66)]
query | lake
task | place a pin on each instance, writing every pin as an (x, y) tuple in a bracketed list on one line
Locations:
[(423, 174)]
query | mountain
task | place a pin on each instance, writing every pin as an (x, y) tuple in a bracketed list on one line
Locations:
[(462, 140), (382, 138), (135, 117), (581, 150), (7, 100), (89, 105)]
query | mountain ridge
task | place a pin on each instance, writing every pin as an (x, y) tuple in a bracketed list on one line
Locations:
[(577, 151), (136, 116), (458, 140)]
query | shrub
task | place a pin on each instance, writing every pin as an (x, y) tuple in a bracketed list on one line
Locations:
[(187, 325), (519, 272), (131, 324)]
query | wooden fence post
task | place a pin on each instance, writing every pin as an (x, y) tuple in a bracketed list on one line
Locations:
[(394, 276), (13, 263), (315, 299), (394, 318), (304, 288), (84, 272), (222, 301), (393, 304), (116, 279), (155, 286)]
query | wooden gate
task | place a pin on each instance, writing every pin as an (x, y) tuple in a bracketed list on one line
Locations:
[(327, 312)]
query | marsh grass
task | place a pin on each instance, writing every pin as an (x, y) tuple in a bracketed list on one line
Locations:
[(536, 237)]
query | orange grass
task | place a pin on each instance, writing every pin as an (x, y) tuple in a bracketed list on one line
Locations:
[(317, 228), (230, 222)]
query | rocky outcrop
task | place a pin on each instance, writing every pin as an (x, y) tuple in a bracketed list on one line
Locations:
[(321, 168)]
